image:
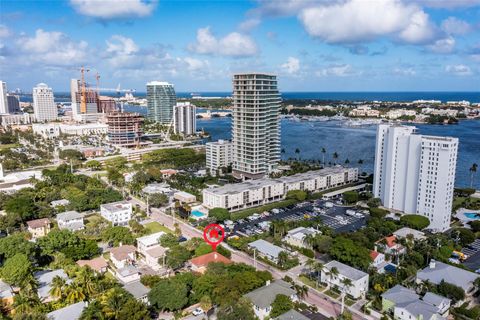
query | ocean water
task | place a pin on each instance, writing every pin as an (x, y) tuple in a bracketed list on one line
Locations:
[(355, 143)]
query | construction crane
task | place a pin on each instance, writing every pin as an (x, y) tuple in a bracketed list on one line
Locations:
[(83, 88)]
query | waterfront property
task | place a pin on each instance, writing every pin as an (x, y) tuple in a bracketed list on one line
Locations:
[(254, 193), (358, 278), (263, 297), (161, 99), (415, 174), (118, 213)]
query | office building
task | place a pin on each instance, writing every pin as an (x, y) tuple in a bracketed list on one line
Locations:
[(13, 104), (185, 119), (258, 192), (219, 155), (161, 100), (255, 124), (125, 129), (415, 174), (44, 106), (3, 97)]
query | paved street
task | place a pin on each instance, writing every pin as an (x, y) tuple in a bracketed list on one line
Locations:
[(325, 304)]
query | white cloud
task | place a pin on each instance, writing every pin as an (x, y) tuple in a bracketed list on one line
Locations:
[(292, 65), (249, 24), (445, 45), (121, 44), (234, 44), (454, 26), (404, 71), (354, 21), (52, 48), (112, 9), (459, 70), (194, 64), (449, 4), (338, 70), (4, 31)]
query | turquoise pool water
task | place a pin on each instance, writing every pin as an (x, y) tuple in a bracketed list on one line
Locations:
[(472, 215), (198, 214)]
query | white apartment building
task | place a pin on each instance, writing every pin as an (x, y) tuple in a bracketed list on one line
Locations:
[(44, 106), (255, 125), (118, 213), (397, 113), (53, 129), (185, 118), (3, 97), (358, 278), (262, 191), (415, 173), (364, 111), (219, 155)]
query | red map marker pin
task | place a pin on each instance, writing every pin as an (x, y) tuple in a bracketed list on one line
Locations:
[(213, 234)]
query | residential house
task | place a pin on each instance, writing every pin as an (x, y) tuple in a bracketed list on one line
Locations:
[(389, 245), (59, 203), (118, 213), (38, 228), (266, 249), (6, 294), (71, 312), (263, 297), (406, 304), (127, 274), (138, 291), (358, 278), (378, 260), (437, 271), (122, 256), (167, 173), (406, 233), (296, 237), (184, 197), (98, 264), (71, 220), (291, 315), (149, 247), (200, 264), (44, 279)]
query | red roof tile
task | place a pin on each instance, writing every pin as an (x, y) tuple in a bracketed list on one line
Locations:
[(38, 223), (204, 260)]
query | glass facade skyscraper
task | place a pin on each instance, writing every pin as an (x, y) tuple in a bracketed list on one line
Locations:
[(161, 100)]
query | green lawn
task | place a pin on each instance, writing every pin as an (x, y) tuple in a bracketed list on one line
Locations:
[(332, 294), (311, 283), (8, 146), (153, 227)]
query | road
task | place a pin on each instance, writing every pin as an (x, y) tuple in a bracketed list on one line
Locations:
[(325, 304)]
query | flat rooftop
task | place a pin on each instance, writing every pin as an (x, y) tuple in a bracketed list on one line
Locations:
[(116, 206), (260, 183)]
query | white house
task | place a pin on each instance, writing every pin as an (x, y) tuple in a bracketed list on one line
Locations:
[(71, 220), (263, 297), (378, 260), (296, 237), (138, 291), (150, 248), (122, 256), (118, 213), (266, 249), (127, 274), (358, 278)]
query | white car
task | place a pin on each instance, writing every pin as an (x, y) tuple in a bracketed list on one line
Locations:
[(197, 312)]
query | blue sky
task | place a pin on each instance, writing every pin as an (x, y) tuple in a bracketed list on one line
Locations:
[(313, 45)]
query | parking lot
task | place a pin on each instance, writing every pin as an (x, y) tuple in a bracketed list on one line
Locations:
[(335, 216)]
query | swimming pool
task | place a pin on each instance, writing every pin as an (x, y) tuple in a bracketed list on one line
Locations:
[(197, 214), (472, 215)]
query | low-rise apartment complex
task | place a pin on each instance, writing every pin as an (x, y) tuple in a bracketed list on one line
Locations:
[(118, 213), (258, 192)]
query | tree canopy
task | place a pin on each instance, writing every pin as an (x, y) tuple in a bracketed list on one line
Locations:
[(415, 221), (68, 243), (219, 214)]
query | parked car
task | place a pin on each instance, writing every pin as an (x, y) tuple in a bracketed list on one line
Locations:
[(197, 312)]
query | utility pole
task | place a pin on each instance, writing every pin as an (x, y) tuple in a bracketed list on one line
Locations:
[(255, 258)]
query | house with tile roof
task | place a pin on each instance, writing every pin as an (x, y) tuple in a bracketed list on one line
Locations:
[(122, 256), (389, 245), (39, 227), (98, 264), (200, 264)]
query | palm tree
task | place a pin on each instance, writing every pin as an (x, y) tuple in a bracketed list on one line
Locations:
[(333, 273), (74, 293), (112, 303), (319, 268), (360, 161), (302, 291), (309, 240), (347, 161), (57, 289), (310, 265), (346, 283), (282, 258), (473, 171), (283, 150), (335, 157), (86, 281)]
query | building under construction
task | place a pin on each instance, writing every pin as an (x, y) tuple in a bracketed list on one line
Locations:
[(125, 129)]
